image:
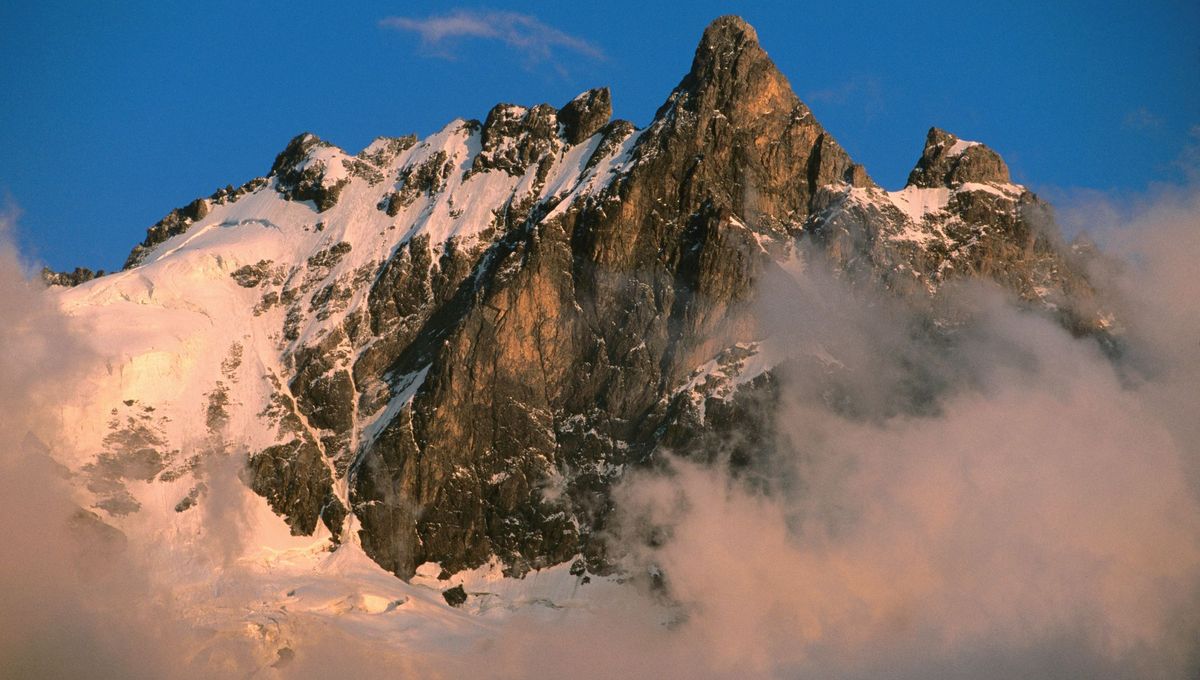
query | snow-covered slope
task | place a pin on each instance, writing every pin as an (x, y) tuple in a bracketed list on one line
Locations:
[(198, 336), (198, 339)]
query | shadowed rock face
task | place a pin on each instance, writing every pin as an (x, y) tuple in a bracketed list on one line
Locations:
[(301, 181), (584, 115), (563, 347)]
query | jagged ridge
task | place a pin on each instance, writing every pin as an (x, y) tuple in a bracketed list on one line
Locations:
[(450, 349)]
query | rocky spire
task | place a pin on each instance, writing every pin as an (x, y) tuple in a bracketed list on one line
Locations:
[(949, 161), (738, 137), (731, 72)]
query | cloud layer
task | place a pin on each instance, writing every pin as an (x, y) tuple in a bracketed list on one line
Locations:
[(1035, 515)]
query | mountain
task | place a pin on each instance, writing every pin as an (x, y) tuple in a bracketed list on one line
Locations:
[(450, 349)]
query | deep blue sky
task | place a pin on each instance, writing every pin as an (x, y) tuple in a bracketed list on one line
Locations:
[(115, 113)]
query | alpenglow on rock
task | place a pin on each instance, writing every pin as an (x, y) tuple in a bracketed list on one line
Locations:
[(449, 349), (948, 161)]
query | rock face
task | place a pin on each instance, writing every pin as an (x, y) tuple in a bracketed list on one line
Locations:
[(530, 306), (958, 216), (579, 325), (948, 161), (584, 115), (569, 349)]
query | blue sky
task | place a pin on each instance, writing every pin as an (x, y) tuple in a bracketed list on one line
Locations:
[(115, 113)]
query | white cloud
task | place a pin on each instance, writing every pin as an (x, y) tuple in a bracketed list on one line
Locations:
[(523, 33)]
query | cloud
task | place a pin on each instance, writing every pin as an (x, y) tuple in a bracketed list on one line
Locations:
[(80, 599), (1189, 157), (1142, 119), (68, 592), (1039, 519), (862, 91), (1036, 514), (524, 34)]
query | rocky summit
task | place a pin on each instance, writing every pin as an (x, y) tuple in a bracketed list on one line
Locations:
[(450, 349)]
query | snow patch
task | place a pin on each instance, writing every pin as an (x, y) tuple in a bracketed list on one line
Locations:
[(917, 202), (959, 146), (405, 389)]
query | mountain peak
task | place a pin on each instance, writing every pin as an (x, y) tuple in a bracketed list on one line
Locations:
[(731, 73), (377, 325), (948, 161), (736, 124), (296, 151), (729, 29)]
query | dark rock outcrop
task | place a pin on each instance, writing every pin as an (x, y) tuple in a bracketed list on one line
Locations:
[(948, 161), (180, 220), (584, 115), (456, 596), (293, 475), (69, 279), (423, 179), (176, 222), (300, 178), (513, 138)]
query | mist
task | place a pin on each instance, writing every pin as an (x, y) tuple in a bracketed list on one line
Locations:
[(55, 556), (998, 499), (990, 499), (79, 598)]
